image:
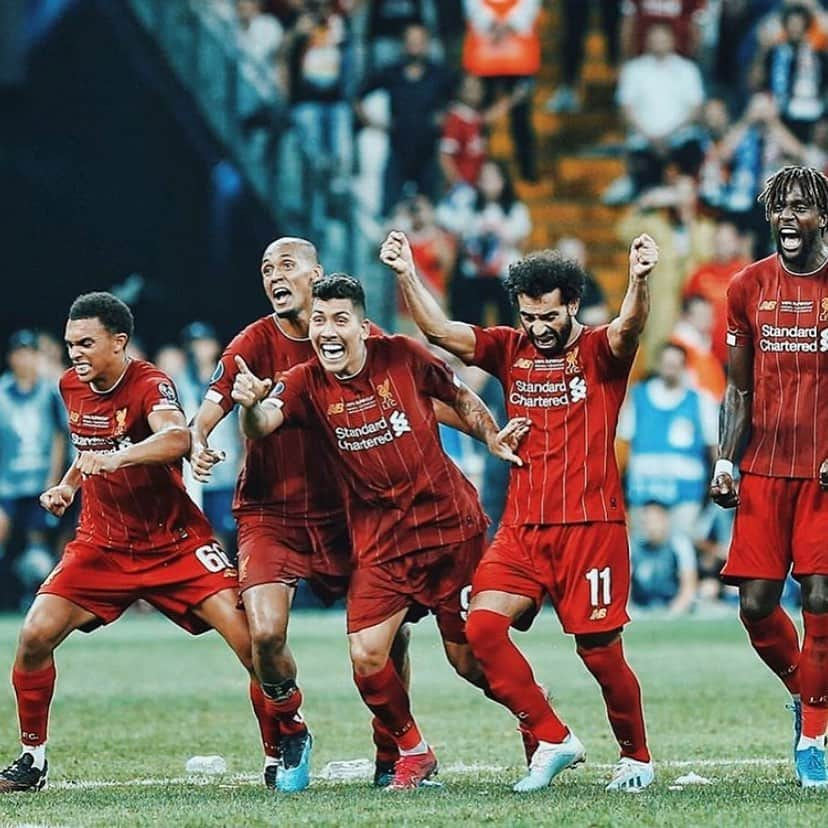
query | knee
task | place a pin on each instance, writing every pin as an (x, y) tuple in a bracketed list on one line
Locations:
[(485, 629), (269, 642), (367, 659), (815, 595), (37, 641), (755, 605)]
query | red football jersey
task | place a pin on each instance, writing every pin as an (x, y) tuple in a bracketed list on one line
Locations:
[(282, 474), (463, 138), (784, 318), (403, 493), (570, 474), (140, 508)]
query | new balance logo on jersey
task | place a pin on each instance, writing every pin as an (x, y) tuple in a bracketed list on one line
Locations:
[(399, 422)]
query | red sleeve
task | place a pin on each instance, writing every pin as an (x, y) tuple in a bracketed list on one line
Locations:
[(493, 348), (436, 379), (292, 393), (739, 331), (221, 383), (609, 365), (452, 138), (157, 393)]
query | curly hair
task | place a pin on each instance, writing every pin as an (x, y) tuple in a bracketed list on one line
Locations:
[(812, 182), (340, 286), (113, 314), (542, 272)]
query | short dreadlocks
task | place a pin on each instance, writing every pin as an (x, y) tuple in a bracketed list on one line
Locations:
[(812, 182)]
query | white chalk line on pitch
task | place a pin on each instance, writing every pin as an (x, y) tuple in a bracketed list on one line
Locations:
[(459, 768)]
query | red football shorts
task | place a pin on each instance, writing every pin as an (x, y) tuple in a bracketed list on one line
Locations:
[(583, 567), (272, 553), (779, 521), (436, 580), (105, 582)]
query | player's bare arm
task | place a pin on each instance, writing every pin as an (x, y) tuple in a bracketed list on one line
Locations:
[(249, 391), (57, 499), (481, 424), (625, 330), (168, 443), (456, 337), (202, 457), (734, 424)]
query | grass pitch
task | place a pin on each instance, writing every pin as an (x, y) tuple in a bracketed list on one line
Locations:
[(135, 701)]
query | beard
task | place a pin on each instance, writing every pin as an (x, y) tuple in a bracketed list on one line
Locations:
[(558, 339), (290, 315)]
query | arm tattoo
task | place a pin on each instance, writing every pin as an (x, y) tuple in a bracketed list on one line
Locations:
[(473, 412), (734, 422)]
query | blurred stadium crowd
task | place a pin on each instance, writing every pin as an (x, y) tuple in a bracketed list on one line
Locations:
[(392, 102)]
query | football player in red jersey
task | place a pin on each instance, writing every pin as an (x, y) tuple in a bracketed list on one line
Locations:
[(139, 535), (563, 532), (290, 515), (417, 527), (775, 427)]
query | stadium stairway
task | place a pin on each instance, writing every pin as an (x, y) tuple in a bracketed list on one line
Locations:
[(579, 157)]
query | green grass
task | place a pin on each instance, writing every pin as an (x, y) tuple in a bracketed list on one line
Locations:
[(133, 702)]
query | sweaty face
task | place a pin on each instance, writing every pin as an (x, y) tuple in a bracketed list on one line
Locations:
[(93, 351), (338, 332), (797, 227), (547, 321), (287, 277)]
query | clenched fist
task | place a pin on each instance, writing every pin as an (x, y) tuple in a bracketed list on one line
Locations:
[(643, 256)]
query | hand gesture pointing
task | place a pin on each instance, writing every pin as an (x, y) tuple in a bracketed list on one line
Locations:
[(248, 389)]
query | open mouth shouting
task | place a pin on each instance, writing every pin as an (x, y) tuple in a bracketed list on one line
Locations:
[(281, 296), (82, 369), (790, 241), (332, 352)]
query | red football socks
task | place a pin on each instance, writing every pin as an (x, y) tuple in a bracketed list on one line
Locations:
[(267, 718), (510, 676), (287, 712), (622, 696), (813, 675), (34, 692), (776, 642), (384, 742), (385, 695)]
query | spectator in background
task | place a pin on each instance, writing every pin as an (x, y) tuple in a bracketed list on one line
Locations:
[(385, 30), (503, 47), (593, 308), (739, 157), (736, 46), (171, 360), (492, 230), (317, 54), (710, 280), (670, 432), (203, 349), (51, 354), (575, 21), (681, 16), (796, 74), (433, 248), (419, 91), (257, 34), (693, 332), (660, 95), (664, 568), (33, 451)]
